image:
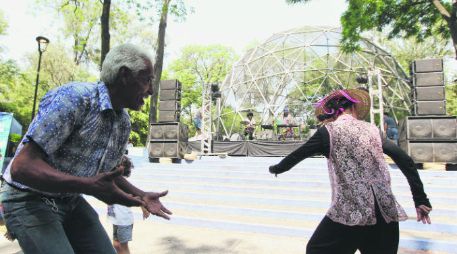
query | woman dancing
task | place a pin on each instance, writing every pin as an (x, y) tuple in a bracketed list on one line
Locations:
[(364, 213)]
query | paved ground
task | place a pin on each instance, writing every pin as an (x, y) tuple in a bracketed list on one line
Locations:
[(234, 206)]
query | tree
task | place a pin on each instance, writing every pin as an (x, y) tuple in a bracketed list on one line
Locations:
[(81, 18), (3, 26), (16, 85), (81, 24), (403, 18), (159, 59), (57, 68), (407, 50), (199, 65), (179, 10), (16, 94), (105, 35)]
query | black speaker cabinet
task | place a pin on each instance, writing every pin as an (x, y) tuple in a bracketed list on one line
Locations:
[(430, 108), (433, 151), (169, 95), (429, 93), (428, 79), (170, 105), (428, 65), (170, 149), (172, 84), (168, 132), (169, 116), (429, 128)]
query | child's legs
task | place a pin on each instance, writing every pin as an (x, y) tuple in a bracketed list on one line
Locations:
[(121, 237)]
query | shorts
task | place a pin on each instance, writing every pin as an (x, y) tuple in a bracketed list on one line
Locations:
[(122, 234)]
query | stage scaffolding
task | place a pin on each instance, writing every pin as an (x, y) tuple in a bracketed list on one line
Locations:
[(295, 68)]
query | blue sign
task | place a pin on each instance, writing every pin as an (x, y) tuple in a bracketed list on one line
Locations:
[(5, 127)]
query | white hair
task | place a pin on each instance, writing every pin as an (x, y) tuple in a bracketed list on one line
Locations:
[(128, 55)]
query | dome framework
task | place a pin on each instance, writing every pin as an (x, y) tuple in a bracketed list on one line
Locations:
[(296, 68)]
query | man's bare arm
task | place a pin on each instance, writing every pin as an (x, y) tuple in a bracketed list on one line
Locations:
[(30, 168)]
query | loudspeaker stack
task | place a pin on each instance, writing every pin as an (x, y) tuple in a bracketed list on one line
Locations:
[(169, 101), (430, 135), (167, 140), (430, 139), (428, 87), (168, 137)]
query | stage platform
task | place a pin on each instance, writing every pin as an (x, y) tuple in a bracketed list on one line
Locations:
[(251, 148)]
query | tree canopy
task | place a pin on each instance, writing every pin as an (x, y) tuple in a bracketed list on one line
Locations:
[(198, 65), (401, 18)]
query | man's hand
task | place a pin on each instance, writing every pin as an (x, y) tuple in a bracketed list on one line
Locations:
[(154, 206), (104, 188), (422, 214)]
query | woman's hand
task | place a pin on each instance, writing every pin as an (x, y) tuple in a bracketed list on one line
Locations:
[(422, 214), (274, 169)]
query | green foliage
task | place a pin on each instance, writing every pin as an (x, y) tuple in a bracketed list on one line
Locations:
[(17, 86), (16, 91), (142, 9), (451, 99), (3, 24), (57, 68), (403, 18), (15, 138), (3, 27), (81, 19), (407, 50), (196, 66), (140, 124)]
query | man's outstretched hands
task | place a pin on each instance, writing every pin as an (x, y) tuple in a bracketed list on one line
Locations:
[(422, 214), (103, 187), (154, 206)]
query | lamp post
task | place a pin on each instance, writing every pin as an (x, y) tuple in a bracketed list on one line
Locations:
[(42, 45)]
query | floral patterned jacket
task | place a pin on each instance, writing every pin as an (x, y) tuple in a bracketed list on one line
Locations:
[(359, 175)]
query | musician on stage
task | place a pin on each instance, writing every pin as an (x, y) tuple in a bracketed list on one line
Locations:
[(287, 119), (249, 126)]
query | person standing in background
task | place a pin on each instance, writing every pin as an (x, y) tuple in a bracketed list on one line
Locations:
[(391, 128), (249, 126)]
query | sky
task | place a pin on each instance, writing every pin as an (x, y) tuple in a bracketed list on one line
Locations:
[(233, 23)]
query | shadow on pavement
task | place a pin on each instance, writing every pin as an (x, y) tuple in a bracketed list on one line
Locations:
[(174, 245)]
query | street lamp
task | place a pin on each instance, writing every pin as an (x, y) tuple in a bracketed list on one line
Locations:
[(42, 45)]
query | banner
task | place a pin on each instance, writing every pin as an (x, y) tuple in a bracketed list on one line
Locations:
[(5, 127)]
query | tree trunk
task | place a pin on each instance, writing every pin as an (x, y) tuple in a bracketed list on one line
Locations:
[(452, 23), (105, 30), (159, 61)]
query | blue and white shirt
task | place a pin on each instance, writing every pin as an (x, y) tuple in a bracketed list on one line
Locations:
[(78, 129)]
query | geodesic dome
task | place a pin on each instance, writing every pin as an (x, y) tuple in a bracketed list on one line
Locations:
[(297, 67)]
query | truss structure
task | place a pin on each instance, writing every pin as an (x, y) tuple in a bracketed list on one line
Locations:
[(206, 120), (297, 67)]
